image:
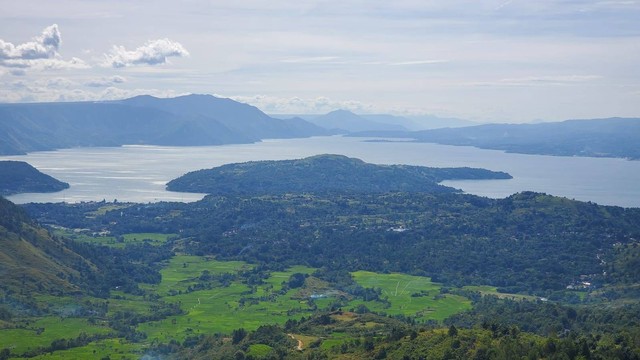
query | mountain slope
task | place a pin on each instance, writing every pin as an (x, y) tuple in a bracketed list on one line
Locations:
[(30, 259), (238, 117), (187, 120), (322, 173), (20, 177)]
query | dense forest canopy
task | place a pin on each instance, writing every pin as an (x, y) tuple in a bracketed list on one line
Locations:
[(323, 173)]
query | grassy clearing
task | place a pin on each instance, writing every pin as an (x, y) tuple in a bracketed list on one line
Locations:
[(410, 296), (32, 336), (221, 309), (336, 339), (306, 340), (184, 270), (83, 236), (106, 208), (492, 290), (259, 350), (112, 348), (155, 239)]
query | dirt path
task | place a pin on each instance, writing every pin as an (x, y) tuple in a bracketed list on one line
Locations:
[(300, 343)]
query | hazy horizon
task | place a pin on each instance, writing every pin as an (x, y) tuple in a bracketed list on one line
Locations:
[(499, 61)]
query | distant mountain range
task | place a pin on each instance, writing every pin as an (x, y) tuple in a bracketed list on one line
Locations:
[(207, 120), (344, 121), (613, 137), (181, 121)]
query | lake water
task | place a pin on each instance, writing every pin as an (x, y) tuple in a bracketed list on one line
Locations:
[(139, 173)]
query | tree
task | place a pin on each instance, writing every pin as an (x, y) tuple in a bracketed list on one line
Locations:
[(453, 331), (238, 335)]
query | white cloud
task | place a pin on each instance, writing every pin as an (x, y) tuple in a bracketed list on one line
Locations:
[(296, 105), (63, 89), (106, 81), (418, 62), (552, 80), (44, 46), (152, 53), (311, 59), (40, 54)]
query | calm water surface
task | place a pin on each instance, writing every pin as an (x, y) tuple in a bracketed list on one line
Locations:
[(139, 173)]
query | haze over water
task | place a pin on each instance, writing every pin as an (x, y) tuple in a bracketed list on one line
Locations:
[(139, 173)]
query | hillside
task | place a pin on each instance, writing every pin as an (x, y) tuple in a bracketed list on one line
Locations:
[(187, 120), (30, 259), (19, 177), (322, 173)]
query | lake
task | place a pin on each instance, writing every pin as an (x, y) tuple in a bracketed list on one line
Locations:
[(139, 173)]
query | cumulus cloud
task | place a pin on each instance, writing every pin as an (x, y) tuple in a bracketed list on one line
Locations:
[(44, 46), (41, 53), (154, 52)]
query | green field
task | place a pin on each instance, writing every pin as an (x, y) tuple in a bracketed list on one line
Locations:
[(31, 337), (493, 291), (410, 296), (216, 297), (221, 309), (84, 236), (113, 348)]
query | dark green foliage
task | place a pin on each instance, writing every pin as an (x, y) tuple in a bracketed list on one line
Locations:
[(528, 242), (296, 280), (20, 177), (12, 217), (624, 264), (238, 335), (549, 318), (322, 173)]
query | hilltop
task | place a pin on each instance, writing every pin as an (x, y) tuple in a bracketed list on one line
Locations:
[(323, 173)]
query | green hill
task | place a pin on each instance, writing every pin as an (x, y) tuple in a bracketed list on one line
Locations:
[(323, 173), (20, 177), (30, 259)]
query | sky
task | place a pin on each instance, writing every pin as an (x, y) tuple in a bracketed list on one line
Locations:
[(490, 61)]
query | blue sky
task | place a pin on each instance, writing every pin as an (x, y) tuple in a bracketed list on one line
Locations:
[(503, 61)]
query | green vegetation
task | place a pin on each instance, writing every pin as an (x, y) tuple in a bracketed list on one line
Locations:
[(19, 177), (341, 275), (41, 332), (111, 348), (322, 173), (411, 296), (120, 241)]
